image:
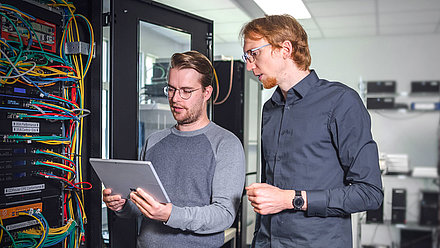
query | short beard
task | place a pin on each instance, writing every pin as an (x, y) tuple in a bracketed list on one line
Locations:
[(192, 116), (269, 83)]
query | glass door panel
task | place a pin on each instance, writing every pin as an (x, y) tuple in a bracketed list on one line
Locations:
[(156, 45)]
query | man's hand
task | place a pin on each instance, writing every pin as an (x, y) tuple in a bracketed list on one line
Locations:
[(268, 199), (113, 202), (150, 207)]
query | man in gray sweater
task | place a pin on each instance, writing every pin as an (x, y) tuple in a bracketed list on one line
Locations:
[(201, 166)]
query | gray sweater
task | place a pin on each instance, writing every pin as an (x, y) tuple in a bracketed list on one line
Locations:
[(203, 172)]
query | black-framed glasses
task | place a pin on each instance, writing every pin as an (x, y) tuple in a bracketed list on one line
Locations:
[(184, 93), (249, 55)]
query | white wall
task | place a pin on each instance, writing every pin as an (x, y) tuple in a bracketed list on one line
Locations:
[(402, 58), (399, 58)]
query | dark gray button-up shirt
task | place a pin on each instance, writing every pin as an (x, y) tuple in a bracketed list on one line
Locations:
[(318, 140)]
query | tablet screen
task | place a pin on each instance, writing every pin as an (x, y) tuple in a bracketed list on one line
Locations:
[(123, 175)]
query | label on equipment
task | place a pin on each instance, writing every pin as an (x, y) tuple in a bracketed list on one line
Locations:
[(22, 189), (25, 127), (21, 225)]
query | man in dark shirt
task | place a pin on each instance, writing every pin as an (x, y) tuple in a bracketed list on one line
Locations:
[(320, 163)]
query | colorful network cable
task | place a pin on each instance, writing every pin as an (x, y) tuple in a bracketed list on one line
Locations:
[(21, 63)]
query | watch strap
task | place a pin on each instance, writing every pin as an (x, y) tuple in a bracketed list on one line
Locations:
[(298, 200)]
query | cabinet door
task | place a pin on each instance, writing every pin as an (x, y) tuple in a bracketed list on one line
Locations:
[(143, 36)]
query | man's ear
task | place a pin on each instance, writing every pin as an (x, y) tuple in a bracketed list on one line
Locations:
[(286, 49), (208, 92)]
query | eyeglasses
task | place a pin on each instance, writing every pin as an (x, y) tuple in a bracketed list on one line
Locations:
[(249, 55), (184, 93)]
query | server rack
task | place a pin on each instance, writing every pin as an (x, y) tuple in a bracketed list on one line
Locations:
[(44, 101)]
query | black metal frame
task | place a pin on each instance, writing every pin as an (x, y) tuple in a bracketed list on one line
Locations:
[(92, 124), (125, 16)]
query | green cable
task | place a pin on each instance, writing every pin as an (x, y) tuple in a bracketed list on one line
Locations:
[(56, 155), (53, 166), (39, 138), (58, 118), (15, 27), (10, 236), (23, 243)]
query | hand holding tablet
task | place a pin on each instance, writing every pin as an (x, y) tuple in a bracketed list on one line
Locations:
[(123, 175)]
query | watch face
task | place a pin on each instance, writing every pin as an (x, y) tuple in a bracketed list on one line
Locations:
[(298, 202)]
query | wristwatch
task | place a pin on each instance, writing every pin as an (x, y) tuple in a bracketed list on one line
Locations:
[(298, 201)]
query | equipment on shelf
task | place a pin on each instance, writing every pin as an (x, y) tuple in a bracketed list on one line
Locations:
[(381, 87), (425, 87), (429, 208), (398, 206)]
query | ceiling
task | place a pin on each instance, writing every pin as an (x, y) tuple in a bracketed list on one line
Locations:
[(330, 18)]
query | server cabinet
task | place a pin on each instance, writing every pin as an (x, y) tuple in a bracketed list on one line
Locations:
[(44, 106), (237, 107)]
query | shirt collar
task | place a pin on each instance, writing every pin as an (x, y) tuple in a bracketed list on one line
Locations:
[(298, 91)]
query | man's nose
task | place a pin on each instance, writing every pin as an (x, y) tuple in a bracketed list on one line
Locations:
[(250, 66)]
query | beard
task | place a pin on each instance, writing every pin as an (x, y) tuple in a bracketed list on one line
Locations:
[(269, 83), (189, 115)]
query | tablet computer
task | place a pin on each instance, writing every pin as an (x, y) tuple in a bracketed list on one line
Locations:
[(123, 176)]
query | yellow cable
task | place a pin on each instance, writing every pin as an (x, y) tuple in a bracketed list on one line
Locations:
[(41, 224), (82, 207), (52, 231), (17, 11), (6, 82), (79, 67), (55, 106), (4, 43), (54, 142), (57, 154), (81, 72)]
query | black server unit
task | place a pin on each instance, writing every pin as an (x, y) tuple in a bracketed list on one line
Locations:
[(398, 206), (228, 112), (375, 216), (229, 106), (425, 87), (381, 87), (416, 238), (24, 192), (429, 209), (380, 102)]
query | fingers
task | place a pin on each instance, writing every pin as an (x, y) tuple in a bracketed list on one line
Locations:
[(116, 205), (142, 207), (109, 198), (259, 185), (148, 198), (113, 202), (143, 198), (265, 198), (149, 206)]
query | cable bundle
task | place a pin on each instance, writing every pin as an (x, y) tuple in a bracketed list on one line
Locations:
[(24, 63)]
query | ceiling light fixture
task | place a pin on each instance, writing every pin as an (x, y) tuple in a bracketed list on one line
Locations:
[(295, 8)]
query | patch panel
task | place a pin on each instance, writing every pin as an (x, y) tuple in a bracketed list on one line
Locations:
[(43, 31)]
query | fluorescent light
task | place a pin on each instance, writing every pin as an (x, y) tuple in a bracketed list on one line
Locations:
[(295, 8)]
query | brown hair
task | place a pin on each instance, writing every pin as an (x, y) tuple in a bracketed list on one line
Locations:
[(276, 29), (197, 61)]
